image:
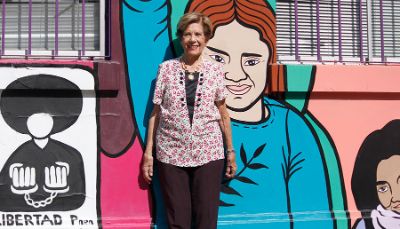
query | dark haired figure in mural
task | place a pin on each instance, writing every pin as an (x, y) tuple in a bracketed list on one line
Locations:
[(375, 179), (281, 171), (42, 174)]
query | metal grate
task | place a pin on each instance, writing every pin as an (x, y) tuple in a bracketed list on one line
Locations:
[(52, 27), (338, 30)]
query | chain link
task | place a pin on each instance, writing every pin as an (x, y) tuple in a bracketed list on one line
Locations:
[(40, 203)]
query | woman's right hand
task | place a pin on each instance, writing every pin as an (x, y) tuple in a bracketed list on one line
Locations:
[(147, 167), (147, 159)]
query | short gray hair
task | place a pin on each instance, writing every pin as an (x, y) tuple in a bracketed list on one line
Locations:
[(194, 17)]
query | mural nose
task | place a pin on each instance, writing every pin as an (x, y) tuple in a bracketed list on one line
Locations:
[(234, 71), (396, 195), (235, 76)]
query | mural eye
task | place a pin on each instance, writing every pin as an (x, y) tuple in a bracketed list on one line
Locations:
[(383, 189), (251, 62), (218, 58)]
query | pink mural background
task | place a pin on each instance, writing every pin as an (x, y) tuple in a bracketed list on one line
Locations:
[(124, 203), (352, 101)]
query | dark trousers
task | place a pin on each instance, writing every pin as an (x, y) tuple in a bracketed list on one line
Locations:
[(191, 193)]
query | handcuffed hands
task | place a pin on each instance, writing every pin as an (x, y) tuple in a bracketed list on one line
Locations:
[(56, 178), (23, 179)]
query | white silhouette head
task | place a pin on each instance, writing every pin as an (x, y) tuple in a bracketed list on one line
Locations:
[(40, 125)]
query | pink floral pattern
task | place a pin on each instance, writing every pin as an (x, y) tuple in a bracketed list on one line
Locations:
[(178, 142)]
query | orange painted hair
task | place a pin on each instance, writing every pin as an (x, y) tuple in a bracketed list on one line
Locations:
[(255, 14)]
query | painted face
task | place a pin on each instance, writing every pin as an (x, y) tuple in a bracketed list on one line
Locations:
[(40, 125), (193, 40), (245, 59), (387, 183)]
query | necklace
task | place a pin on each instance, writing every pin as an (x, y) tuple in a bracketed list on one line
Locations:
[(191, 76), (195, 66)]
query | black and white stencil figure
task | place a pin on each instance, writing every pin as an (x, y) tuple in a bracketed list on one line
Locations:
[(42, 174)]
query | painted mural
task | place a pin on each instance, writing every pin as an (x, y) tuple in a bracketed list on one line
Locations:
[(378, 157), (54, 169), (357, 106), (317, 146), (45, 168), (69, 154), (283, 151)]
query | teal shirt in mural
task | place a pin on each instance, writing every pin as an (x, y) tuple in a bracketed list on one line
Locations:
[(280, 171)]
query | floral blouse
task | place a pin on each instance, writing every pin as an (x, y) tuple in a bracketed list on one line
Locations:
[(178, 142)]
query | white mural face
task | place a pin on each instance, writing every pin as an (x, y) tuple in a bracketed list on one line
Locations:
[(48, 160)]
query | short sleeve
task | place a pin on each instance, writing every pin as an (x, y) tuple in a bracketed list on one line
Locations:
[(221, 92), (159, 88)]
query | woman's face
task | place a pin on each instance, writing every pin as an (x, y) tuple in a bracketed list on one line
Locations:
[(245, 59), (387, 183), (193, 40)]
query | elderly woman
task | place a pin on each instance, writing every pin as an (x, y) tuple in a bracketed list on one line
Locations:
[(188, 122)]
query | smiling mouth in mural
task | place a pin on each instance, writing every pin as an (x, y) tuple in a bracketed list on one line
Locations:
[(396, 206), (238, 89)]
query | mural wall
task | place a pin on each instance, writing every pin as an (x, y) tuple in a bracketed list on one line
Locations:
[(358, 107), (55, 171), (277, 143), (46, 168), (317, 146)]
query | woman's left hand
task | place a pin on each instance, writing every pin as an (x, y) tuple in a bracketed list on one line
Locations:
[(225, 124), (231, 166)]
